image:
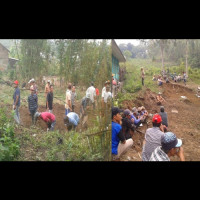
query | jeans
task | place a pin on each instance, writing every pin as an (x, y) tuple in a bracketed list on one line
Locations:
[(67, 111), (52, 125), (17, 115), (32, 115)]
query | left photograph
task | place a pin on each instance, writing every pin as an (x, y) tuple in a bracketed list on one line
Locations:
[(55, 99)]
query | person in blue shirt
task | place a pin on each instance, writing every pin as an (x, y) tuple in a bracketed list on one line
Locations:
[(119, 143), (134, 119), (71, 120), (16, 103)]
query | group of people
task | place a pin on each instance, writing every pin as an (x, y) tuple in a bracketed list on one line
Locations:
[(159, 143), (71, 119), (92, 95), (164, 78), (123, 127)]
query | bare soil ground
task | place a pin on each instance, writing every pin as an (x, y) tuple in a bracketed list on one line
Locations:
[(183, 119)]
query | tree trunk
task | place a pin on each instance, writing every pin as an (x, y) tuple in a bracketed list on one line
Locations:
[(161, 47), (186, 59)]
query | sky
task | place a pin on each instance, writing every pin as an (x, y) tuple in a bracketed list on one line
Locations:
[(126, 41)]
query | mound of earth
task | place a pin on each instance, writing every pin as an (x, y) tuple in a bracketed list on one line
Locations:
[(183, 119)]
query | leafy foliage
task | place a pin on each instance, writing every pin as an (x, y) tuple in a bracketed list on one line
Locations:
[(9, 145)]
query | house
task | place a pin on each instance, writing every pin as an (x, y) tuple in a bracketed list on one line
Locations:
[(5, 61), (4, 54), (117, 57)]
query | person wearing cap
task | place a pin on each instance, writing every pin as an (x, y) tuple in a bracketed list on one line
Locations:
[(128, 126), (164, 117), (68, 104), (170, 146), (159, 99), (16, 103), (152, 137), (32, 81), (71, 120), (49, 100), (32, 104), (119, 143), (91, 95), (48, 118)]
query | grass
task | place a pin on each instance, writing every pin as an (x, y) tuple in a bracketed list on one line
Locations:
[(37, 145)]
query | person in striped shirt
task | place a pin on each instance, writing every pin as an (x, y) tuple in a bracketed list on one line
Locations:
[(32, 103), (152, 137), (170, 146)]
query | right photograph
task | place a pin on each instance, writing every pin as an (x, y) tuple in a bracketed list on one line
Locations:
[(155, 99)]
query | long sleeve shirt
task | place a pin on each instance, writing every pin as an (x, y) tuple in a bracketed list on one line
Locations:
[(136, 121)]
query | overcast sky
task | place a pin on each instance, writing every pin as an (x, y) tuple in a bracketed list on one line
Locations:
[(126, 41)]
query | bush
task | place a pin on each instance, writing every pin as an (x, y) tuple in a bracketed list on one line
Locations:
[(9, 145)]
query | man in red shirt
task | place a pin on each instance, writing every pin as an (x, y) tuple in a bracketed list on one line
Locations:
[(97, 95), (48, 118)]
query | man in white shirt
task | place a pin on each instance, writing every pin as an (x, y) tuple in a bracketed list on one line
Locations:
[(68, 104), (107, 94), (91, 94)]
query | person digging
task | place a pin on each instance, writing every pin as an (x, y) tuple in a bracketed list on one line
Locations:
[(48, 118), (71, 121)]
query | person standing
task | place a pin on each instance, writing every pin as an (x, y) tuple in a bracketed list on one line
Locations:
[(47, 88), (73, 97), (34, 86), (142, 75), (50, 100), (16, 104), (184, 78), (68, 104), (32, 104), (46, 91), (91, 95), (164, 117), (97, 95)]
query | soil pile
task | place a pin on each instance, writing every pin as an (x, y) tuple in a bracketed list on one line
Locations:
[(184, 122)]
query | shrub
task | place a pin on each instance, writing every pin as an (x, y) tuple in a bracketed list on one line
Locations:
[(9, 145)]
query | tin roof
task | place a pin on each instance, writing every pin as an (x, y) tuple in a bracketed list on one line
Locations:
[(117, 52), (4, 47)]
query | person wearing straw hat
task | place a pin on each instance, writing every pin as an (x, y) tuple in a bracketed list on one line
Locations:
[(170, 146), (16, 103), (32, 104)]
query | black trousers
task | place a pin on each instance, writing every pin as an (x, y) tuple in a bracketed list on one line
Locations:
[(143, 81)]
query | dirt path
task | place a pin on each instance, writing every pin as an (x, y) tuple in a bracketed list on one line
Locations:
[(185, 124)]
